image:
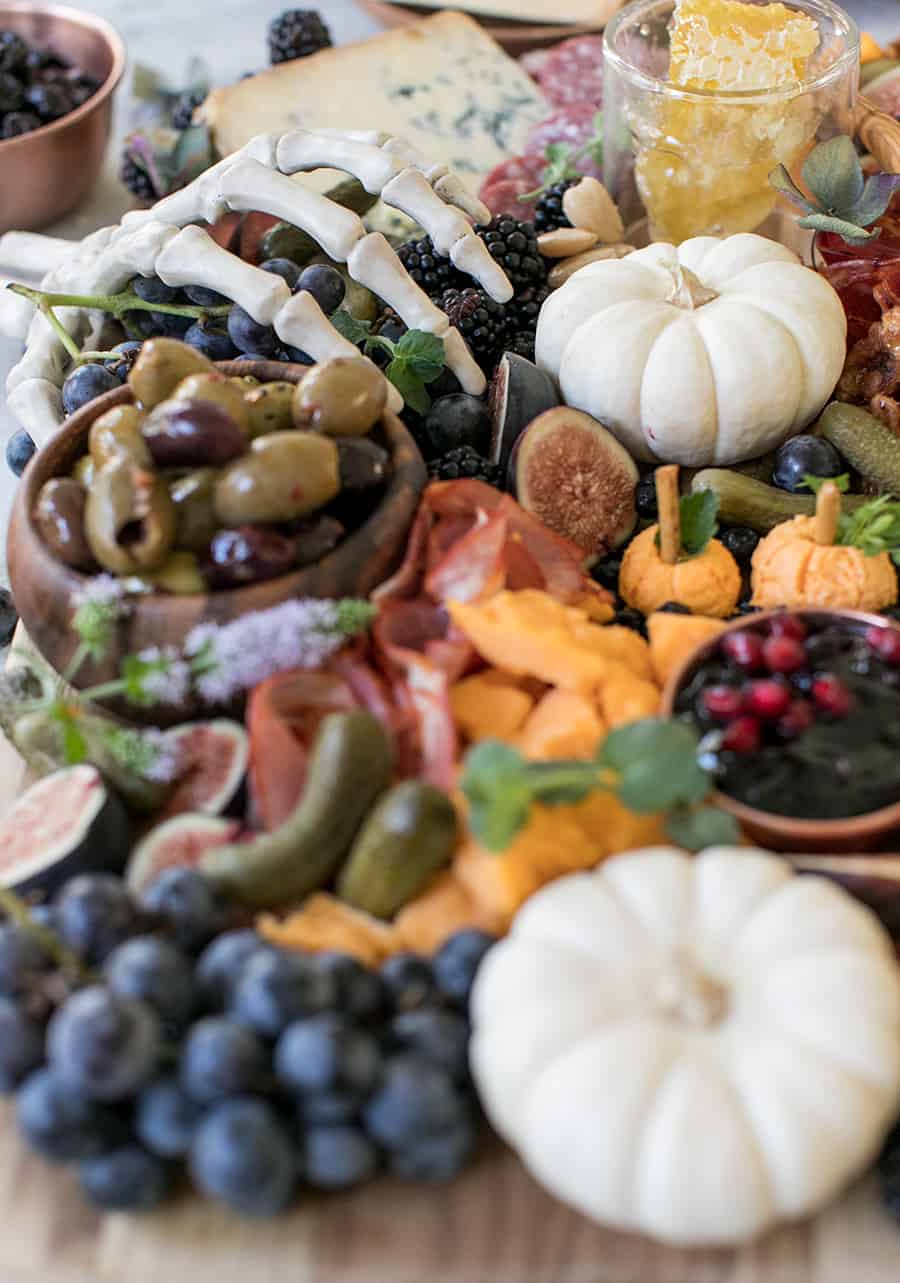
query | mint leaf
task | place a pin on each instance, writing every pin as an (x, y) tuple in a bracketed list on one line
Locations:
[(74, 744), (424, 353), (700, 827), (347, 325), (698, 520), (816, 483), (495, 787), (409, 385), (663, 781)]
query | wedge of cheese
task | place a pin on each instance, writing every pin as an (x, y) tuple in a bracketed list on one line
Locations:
[(441, 83), (582, 13)]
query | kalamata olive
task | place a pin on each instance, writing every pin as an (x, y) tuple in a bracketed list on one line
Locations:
[(247, 555), (160, 367), (315, 538), (218, 390), (117, 434), (342, 397), (192, 495), (84, 471), (270, 408), (362, 463), (59, 518), (129, 518), (191, 434), (283, 475)]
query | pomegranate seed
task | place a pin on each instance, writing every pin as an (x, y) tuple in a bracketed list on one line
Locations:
[(741, 735), (724, 702), (886, 643), (788, 626), (798, 718), (783, 654), (744, 649), (831, 695), (768, 699)]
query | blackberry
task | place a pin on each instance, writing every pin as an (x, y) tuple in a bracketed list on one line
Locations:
[(136, 179), (185, 106), (645, 498), (522, 343), (432, 272), (514, 245), (548, 212), (296, 33), (480, 320), (523, 310), (16, 123), (466, 463)]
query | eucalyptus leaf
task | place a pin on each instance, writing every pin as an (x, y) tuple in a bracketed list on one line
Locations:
[(663, 781), (650, 737), (832, 172), (849, 232), (875, 198), (695, 829), (192, 154), (781, 180)]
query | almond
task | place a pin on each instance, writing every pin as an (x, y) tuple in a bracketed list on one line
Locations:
[(565, 241), (589, 205), (569, 266)]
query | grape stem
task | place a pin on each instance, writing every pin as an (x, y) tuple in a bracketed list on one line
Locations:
[(17, 911)]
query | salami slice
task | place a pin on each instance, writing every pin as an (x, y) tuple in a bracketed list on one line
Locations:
[(572, 125), (509, 180), (572, 72)]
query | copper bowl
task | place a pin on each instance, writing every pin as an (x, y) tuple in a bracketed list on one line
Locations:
[(782, 832), (48, 172)]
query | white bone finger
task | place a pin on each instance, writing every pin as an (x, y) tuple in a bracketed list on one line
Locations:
[(301, 323), (453, 191), (411, 192), (37, 404), (374, 264), (472, 256), (461, 361), (372, 137), (406, 151), (192, 257), (29, 255), (249, 185), (141, 248), (301, 150)]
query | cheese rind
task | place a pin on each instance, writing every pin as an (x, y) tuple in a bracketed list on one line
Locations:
[(442, 84)]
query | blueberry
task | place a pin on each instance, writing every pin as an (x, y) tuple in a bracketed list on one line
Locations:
[(171, 326), (436, 1158), (295, 355), (21, 1045), (153, 970), (242, 1156), (125, 1180), (220, 1058), (200, 296), (439, 1035), (213, 343), (409, 980), (675, 608), (338, 1157), (62, 1125), (457, 961), (276, 989), (248, 335), (21, 959), (327, 1108), (85, 383), (19, 449), (50, 100), (152, 290), (645, 498), (326, 1053), (16, 123), (166, 1118), (360, 992), (12, 93), (606, 571), (415, 1099), (93, 914), (325, 284), (185, 898), (283, 267), (253, 356), (103, 1046), (13, 52), (741, 542), (455, 421), (802, 456), (222, 962), (627, 617)]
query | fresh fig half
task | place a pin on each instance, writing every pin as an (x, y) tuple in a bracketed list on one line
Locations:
[(179, 842), (213, 764), (67, 823), (576, 478), (519, 392)]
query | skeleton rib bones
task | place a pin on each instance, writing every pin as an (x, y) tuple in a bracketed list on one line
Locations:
[(166, 240)]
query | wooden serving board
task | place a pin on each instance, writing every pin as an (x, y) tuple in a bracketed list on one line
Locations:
[(515, 37)]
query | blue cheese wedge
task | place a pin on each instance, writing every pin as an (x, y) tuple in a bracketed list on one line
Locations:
[(441, 83)]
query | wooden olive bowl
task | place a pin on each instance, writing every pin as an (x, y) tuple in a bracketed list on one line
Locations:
[(44, 588), (784, 832)]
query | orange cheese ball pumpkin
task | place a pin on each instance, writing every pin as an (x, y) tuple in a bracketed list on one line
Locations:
[(790, 569), (708, 583)]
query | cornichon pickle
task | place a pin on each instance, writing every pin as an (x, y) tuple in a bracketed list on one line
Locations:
[(746, 502), (865, 442), (407, 838), (350, 767)]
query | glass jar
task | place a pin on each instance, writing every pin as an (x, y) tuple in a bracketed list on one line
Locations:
[(698, 162)]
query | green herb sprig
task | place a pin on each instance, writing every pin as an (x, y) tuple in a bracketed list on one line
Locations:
[(873, 528), (562, 160), (651, 766), (417, 359), (844, 201)]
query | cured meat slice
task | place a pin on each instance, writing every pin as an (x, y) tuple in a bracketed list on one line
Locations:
[(571, 71), (572, 126), (509, 180)]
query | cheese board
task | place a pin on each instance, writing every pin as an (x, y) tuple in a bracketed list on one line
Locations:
[(515, 32)]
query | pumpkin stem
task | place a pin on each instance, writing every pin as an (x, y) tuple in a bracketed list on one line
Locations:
[(690, 995), (668, 505), (688, 291), (828, 514)]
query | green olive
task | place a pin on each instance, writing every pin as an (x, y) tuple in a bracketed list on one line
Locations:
[(117, 434), (359, 301), (246, 382), (192, 495), (160, 367), (284, 475), (84, 471), (270, 408), (220, 391), (179, 574), (129, 518), (342, 397)]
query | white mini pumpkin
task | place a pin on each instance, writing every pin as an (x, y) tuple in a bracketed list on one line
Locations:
[(691, 1048), (710, 353)]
